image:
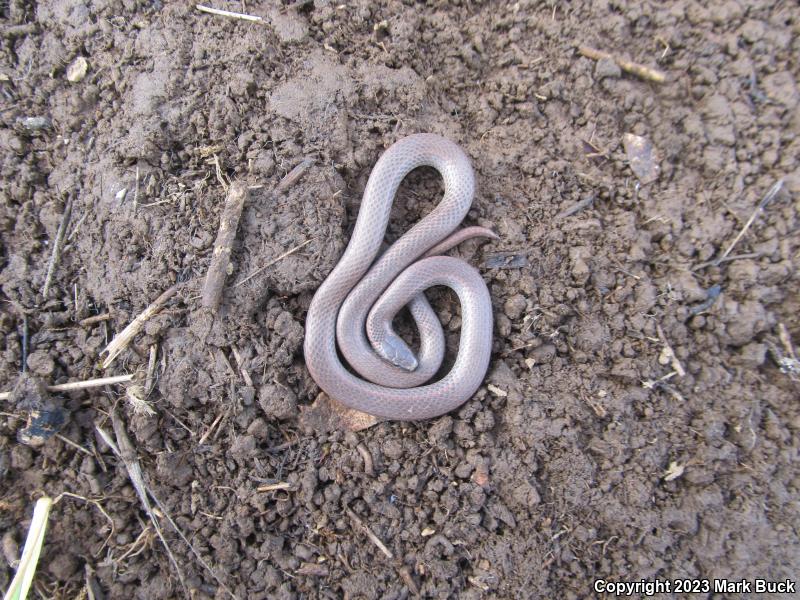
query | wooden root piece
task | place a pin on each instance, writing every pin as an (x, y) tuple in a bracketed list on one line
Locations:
[(229, 222)]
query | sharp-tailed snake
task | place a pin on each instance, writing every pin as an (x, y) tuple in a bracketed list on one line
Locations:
[(367, 288)]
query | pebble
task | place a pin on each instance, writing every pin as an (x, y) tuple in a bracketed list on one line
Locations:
[(77, 70), (277, 402), (515, 306), (752, 355), (782, 88), (606, 67), (35, 123), (544, 354), (41, 363), (464, 470), (392, 449), (752, 31), (441, 429), (243, 447)]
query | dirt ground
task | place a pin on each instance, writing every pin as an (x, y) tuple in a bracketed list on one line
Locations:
[(590, 452)]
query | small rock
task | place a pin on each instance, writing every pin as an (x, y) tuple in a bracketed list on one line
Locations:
[(685, 283), (243, 447), (35, 123), (41, 363), (642, 157), (481, 475), (515, 306), (752, 31), (392, 449), (277, 402), (10, 549), (580, 270), (441, 429), (463, 470), (543, 354), (606, 67), (781, 87), (77, 70), (752, 355)]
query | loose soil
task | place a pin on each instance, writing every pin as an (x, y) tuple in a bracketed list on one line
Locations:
[(570, 464)]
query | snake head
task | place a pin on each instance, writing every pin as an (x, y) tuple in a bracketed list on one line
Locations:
[(393, 349)]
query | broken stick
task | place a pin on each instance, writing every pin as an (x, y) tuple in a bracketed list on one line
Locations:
[(368, 532), (227, 13), (124, 337), (229, 222), (769, 197), (58, 244), (79, 385), (633, 68)]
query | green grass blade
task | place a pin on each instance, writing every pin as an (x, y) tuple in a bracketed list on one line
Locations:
[(30, 554)]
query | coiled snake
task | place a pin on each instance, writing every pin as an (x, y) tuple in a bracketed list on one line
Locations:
[(361, 296)]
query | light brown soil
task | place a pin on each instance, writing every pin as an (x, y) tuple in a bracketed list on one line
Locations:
[(553, 475)]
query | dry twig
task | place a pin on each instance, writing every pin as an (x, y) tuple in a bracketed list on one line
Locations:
[(211, 428), (227, 13), (294, 175), (95, 319), (229, 222), (633, 68), (769, 197), (58, 244), (368, 532), (272, 487), (669, 353), (369, 468), (79, 385), (150, 380), (124, 337), (24, 366), (270, 263), (577, 207), (405, 575)]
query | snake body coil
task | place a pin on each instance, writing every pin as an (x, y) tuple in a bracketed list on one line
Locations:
[(362, 295)]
